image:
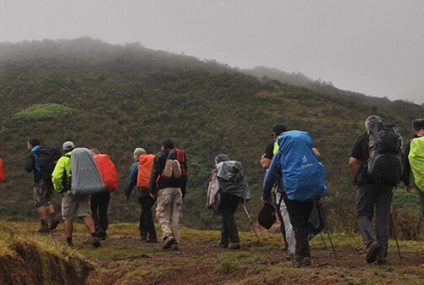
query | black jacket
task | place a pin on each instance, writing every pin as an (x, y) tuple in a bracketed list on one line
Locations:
[(164, 182)]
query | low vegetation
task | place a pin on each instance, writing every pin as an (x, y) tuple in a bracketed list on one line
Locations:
[(122, 97), (124, 259)]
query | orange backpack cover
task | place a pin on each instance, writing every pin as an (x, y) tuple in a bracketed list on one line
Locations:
[(145, 165), (1, 171), (107, 171)]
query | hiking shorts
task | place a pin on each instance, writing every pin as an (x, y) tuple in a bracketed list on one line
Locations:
[(75, 206), (42, 193)]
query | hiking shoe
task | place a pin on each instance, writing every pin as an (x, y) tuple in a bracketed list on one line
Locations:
[(69, 243), (143, 237), (176, 168), (55, 221), (373, 249), (44, 228), (95, 241), (234, 245), (223, 244), (301, 261), (102, 235), (167, 171), (290, 257), (168, 243), (174, 246)]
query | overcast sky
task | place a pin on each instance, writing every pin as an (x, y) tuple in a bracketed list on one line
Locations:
[(370, 46)]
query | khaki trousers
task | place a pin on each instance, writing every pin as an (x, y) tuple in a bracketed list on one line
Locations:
[(169, 212)]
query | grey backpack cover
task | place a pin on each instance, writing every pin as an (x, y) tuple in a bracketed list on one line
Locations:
[(86, 178)]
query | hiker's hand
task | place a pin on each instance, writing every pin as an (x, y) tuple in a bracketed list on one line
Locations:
[(409, 188)]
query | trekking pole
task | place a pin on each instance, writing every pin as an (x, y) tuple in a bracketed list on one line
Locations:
[(392, 225), (332, 245), (323, 240), (250, 221)]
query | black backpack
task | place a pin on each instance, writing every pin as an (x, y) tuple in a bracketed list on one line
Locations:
[(385, 158), (47, 157)]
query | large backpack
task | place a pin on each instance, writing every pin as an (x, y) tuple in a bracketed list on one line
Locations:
[(303, 175), (385, 158), (180, 155), (47, 158), (145, 165), (107, 171), (416, 160), (86, 178), (1, 171)]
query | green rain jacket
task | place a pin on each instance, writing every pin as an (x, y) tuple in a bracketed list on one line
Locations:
[(61, 171)]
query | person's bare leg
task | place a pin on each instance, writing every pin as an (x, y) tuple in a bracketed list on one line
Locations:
[(42, 213), (68, 231), (88, 221)]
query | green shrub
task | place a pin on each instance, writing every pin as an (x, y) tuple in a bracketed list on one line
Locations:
[(43, 111)]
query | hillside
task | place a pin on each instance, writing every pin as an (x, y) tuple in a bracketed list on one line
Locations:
[(115, 98), (123, 259)]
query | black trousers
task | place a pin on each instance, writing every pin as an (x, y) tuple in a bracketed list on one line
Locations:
[(99, 204), (299, 213), (227, 208), (147, 226)]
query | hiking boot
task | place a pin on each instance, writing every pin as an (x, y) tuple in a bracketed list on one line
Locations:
[(223, 244), (234, 245), (143, 237), (167, 171), (175, 246), (69, 242), (44, 228), (373, 249), (102, 235), (95, 241), (55, 221), (301, 261), (290, 257), (176, 168), (168, 243)]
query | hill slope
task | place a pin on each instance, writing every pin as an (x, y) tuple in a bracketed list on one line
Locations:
[(115, 98)]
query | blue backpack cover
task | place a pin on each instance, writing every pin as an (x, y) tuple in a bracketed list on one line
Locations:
[(303, 174)]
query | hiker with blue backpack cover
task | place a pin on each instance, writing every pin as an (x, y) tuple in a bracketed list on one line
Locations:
[(41, 161), (303, 182), (376, 164)]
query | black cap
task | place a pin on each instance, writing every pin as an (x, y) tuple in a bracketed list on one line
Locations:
[(278, 129)]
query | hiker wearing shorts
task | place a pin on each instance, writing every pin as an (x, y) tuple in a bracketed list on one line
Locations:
[(42, 189), (371, 195), (418, 129), (166, 186), (146, 224), (73, 205)]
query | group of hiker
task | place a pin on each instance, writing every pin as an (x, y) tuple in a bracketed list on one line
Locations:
[(293, 184)]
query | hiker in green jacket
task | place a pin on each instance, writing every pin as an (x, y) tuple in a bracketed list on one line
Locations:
[(418, 129), (73, 206)]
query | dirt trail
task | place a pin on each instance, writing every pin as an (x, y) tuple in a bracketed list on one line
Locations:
[(200, 262)]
